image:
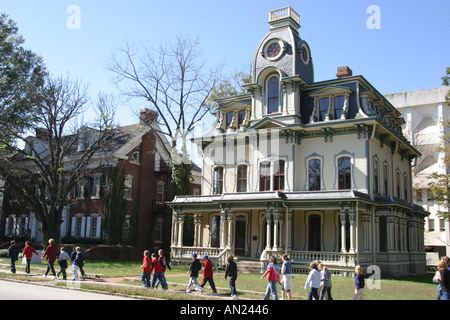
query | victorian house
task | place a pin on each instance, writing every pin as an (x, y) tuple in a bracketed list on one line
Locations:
[(141, 151), (317, 170)]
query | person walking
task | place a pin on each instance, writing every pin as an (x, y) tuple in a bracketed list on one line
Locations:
[(194, 268), (13, 254), (325, 278), (286, 271), (208, 275), (50, 253), (28, 252), (164, 264), (78, 263), (313, 281), (444, 280), (273, 277), (146, 270), (231, 270), (359, 284), (158, 275), (63, 257)]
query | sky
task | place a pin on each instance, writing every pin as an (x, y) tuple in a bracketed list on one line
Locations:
[(396, 45)]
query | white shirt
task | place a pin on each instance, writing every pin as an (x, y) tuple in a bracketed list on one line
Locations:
[(313, 279)]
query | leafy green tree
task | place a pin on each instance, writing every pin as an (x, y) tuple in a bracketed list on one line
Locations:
[(440, 182), (22, 73)]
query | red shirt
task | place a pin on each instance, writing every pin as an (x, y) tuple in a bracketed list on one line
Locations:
[(163, 262), (28, 252), (51, 252), (274, 272), (207, 268), (147, 264), (156, 265)]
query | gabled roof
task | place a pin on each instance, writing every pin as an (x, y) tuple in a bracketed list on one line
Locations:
[(267, 123)]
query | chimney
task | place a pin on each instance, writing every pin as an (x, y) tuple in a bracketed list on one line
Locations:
[(147, 116), (344, 72)]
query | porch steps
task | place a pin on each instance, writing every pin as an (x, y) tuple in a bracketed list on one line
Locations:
[(246, 265)]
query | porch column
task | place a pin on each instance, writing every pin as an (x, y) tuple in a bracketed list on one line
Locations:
[(230, 230), (268, 229), (223, 218), (282, 243), (367, 232), (197, 231), (390, 233), (351, 219), (288, 221), (174, 229), (180, 229), (275, 230), (343, 218)]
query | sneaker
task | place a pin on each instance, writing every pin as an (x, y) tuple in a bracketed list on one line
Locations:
[(234, 297), (200, 291)]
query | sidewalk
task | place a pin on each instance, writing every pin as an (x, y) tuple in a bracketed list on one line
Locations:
[(37, 272)]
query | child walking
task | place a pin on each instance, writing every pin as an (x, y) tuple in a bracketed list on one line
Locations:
[(28, 254), (146, 270), (194, 268), (286, 271), (158, 275), (359, 284), (13, 254), (207, 275), (63, 257), (273, 277), (164, 264), (51, 252), (231, 270), (313, 281)]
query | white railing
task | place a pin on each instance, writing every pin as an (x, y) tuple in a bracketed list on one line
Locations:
[(284, 13), (183, 254)]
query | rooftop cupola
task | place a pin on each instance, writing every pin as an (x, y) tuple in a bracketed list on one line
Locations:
[(284, 17)]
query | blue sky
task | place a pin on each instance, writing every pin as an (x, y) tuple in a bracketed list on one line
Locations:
[(409, 51)]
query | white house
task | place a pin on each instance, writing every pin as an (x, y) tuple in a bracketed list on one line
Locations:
[(318, 170)]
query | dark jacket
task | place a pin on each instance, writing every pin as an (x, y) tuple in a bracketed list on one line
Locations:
[(13, 253), (194, 267), (359, 281), (445, 280), (231, 270), (79, 259)]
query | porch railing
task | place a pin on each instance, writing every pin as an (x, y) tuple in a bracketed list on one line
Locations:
[(218, 256)]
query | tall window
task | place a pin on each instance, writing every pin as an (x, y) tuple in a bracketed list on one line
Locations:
[(278, 175), (323, 108), (241, 178), (375, 176), (272, 97), (218, 180), (345, 172), (397, 181), (230, 116), (405, 188), (314, 175), (385, 179), (338, 106), (264, 176), (241, 116)]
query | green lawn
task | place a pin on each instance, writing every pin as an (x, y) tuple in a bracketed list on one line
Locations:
[(250, 286)]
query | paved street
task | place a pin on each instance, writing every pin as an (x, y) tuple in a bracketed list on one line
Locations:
[(23, 291)]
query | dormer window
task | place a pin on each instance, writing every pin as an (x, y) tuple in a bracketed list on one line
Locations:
[(272, 97), (135, 157)]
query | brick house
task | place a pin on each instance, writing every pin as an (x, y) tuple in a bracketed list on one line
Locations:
[(143, 154)]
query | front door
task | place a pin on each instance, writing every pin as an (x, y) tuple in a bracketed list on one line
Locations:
[(239, 236)]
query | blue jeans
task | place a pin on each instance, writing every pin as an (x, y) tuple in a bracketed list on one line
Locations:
[(271, 288), (444, 295), (159, 276), (313, 293), (233, 286), (145, 279), (13, 265)]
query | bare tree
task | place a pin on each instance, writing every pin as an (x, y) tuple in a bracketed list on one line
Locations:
[(175, 82), (44, 172)]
